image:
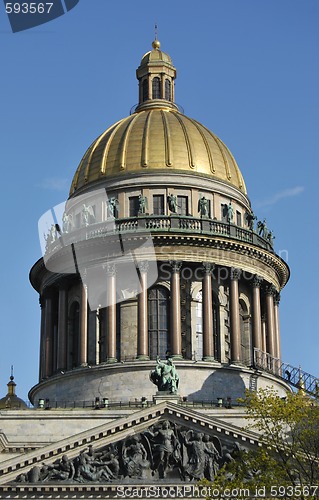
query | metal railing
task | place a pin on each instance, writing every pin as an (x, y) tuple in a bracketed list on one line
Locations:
[(290, 374)]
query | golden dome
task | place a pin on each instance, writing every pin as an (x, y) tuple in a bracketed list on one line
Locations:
[(157, 136), (157, 139)]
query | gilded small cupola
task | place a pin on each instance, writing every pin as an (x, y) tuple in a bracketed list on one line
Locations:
[(156, 75)]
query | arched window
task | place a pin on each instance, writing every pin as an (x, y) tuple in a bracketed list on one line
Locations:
[(156, 88), (168, 95), (158, 317), (74, 335), (145, 90)]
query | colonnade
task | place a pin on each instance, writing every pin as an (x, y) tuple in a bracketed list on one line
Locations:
[(265, 334)]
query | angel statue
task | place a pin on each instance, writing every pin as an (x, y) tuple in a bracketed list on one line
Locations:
[(142, 204), (112, 207), (203, 206), (87, 215)]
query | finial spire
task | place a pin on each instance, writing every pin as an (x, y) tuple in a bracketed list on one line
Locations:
[(156, 44), (12, 377)]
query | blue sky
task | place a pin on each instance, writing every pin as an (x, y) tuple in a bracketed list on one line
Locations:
[(246, 69)]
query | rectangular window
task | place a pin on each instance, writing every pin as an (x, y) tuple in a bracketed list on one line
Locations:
[(134, 206), (182, 205), (223, 211), (158, 204), (238, 218)]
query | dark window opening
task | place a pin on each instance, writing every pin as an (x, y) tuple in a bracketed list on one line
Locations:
[(145, 90), (168, 95), (133, 206), (158, 204), (156, 88), (158, 316), (182, 205)]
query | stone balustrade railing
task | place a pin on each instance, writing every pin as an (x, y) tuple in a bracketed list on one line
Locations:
[(159, 224)]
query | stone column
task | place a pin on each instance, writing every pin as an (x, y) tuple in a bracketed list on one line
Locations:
[(277, 325), (257, 328), (142, 317), (235, 343), (163, 85), (83, 326), (110, 320), (264, 333), (62, 328), (270, 292), (208, 333), (175, 319), (48, 329)]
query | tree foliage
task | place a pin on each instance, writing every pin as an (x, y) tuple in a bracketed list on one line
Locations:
[(289, 451)]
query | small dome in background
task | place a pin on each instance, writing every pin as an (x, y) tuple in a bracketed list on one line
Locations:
[(11, 401)]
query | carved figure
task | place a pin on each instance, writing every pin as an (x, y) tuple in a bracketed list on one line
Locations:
[(270, 238), (197, 456), (172, 203), (135, 458), (203, 206), (212, 457), (67, 222), (87, 215), (142, 204), (251, 217), (165, 376), (112, 206), (165, 448), (262, 229), (229, 212)]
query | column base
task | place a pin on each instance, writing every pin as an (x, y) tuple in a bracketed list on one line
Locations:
[(111, 360), (176, 357), (208, 358), (142, 357)]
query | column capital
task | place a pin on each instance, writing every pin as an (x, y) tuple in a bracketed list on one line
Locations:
[(110, 268), (271, 290), (277, 299), (235, 273), (143, 266), (208, 267), (175, 265), (257, 281)]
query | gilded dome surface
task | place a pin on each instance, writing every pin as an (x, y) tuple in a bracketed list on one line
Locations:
[(154, 139), (157, 136)]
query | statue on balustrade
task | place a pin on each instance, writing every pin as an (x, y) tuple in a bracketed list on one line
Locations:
[(270, 238), (172, 203), (165, 376), (262, 229), (229, 212), (87, 215), (203, 206), (112, 206), (67, 223), (251, 217), (142, 204)]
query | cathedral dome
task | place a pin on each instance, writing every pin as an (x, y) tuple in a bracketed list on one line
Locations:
[(157, 136), (154, 139)]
